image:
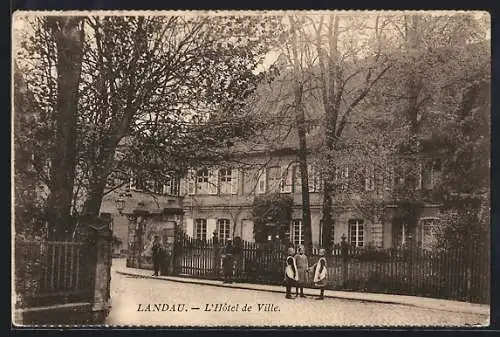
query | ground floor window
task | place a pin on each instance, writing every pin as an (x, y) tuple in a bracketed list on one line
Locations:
[(403, 234), (297, 232), (224, 230), (377, 235), (356, 232), (427, 227), (200, 230)]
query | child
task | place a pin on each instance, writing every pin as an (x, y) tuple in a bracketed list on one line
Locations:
[(291, 274), (320, 274), (302, 265)]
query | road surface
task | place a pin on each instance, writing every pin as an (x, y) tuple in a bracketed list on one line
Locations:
[(151, 302)]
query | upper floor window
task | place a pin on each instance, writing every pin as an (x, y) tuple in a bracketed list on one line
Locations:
[(202, 176), (314, 178), (157, 187), (171, 187), (202, 181), (388, 176), (427, 175), (261, 181), (225, 175), (369, 178), (342, 177), (274, 178), (297, 180), (225, 178)]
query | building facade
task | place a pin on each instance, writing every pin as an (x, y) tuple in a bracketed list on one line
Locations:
[(219, 200)]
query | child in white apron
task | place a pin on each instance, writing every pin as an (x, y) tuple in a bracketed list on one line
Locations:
[(320, 274), (291, 273)]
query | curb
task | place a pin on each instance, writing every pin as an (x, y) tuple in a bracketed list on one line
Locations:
[(362, 298)]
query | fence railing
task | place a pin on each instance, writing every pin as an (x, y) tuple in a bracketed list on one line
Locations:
[(461, 273), (53, 272)]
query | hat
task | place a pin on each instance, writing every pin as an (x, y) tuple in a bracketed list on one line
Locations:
[(291, 251)]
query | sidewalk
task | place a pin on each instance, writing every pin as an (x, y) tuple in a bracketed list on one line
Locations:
[(421, 302)]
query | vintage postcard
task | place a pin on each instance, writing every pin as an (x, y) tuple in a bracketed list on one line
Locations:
[(251, 169)]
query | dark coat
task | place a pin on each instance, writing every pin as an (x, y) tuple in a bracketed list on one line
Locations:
[(228, 261), (157, 250)]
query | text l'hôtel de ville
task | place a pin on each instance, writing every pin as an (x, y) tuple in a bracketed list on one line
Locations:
[(211, 307)]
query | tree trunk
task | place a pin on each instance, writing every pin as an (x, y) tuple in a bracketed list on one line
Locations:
[(300, 124), (69, 37), (328, 223), (304, 179), (414, 146), (93, 201)]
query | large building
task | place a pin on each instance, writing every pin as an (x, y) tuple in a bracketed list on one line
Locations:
[(219, 199)]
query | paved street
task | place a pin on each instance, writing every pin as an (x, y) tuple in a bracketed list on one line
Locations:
[(133, 301)]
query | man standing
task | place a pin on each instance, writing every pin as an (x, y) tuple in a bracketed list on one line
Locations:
[(227, 262), (302, 266), (291, 275), (156, 255)]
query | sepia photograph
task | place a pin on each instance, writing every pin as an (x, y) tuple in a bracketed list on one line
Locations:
[(251, 169)]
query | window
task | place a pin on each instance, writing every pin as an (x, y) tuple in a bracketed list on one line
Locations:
[(225, 181), (200, 230), (224, 230), (297, 232), (261, 183), (342, 177), (313, 178), (427, 226), (427, 175), (356, 237), (157, 187), (225, 175), (171, 187), (377, 235), (369, 178), (202, 176), (402, 235), (297, 181), (388, 176), (274, 178), (202, 184)]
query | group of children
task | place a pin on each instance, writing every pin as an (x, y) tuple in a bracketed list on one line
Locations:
[(297, 270)]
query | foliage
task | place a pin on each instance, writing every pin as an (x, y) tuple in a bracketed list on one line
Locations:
[(167, 92), (434, 91), (274, 209)]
